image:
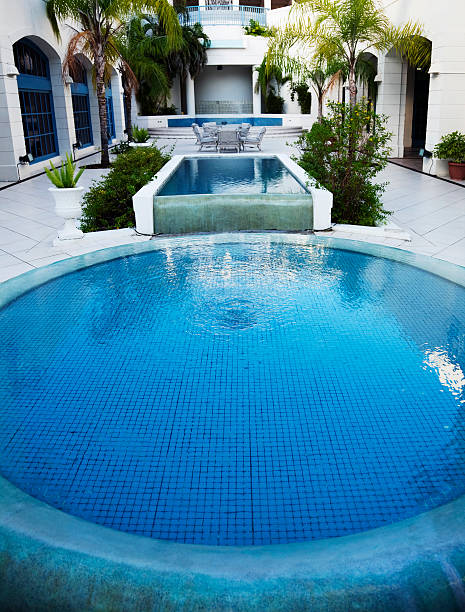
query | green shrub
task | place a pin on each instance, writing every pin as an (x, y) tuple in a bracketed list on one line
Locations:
[(64, 177), (167, 110), (274, 104), (451, 147), (255, 29), (140, 134), (344, 152), (304, 97), (108, 203), (121, 147)]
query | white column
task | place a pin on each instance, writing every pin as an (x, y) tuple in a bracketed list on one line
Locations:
[(63, 106), (256, 97), (267, 5), (392, 78), (446, 104), (190, 95), (11, 126), (118, 104)]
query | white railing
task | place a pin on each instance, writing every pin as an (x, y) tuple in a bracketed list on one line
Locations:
[(223, 107), (225, 14)]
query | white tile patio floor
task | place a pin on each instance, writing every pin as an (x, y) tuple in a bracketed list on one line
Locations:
[(431, 210)]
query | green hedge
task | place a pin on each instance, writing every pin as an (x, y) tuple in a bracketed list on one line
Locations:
[(108, 203)]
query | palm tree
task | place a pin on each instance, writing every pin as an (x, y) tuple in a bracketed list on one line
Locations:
[(139, 53), (99, 23), (323, 75), (344, 30), (266, 75)]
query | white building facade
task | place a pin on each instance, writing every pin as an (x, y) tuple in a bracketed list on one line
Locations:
[(41, 114), (44, 116)]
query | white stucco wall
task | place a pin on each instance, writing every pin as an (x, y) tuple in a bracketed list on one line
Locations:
[(230, 84), (27, 18)]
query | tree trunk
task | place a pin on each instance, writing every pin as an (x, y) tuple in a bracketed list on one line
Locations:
[(320, 106), (352, 85), (102, 107), (128, 111)]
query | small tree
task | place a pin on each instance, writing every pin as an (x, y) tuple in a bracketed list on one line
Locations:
[(98, 24), (328, 154), (323, 75), (344, 30)]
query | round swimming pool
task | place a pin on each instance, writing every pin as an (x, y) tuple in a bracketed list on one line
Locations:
[(237, 393)]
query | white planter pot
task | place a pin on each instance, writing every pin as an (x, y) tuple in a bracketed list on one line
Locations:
[(68, 206), (135, 145)]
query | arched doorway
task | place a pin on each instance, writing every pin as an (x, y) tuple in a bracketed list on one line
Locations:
[(36, 100), (416, 109)]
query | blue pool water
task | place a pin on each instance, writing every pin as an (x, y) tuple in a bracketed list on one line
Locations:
[(237, 393), (250, 175)]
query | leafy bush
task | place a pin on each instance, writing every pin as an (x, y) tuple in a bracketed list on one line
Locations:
[(274, 104), (108, 203), (121, 147), (304, 97), (344, 152), (451, 147), (140, 134), (167, 110), (255, 29), (64, 177)]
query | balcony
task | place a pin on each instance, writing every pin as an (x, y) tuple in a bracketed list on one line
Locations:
[(226, 14)]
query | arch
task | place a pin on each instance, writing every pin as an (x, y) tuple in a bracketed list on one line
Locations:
[(36, 99)]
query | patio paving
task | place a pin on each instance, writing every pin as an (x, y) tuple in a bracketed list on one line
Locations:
[(431, 210)]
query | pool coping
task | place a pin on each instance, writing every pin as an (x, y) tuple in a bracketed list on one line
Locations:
[(143, 200), (57, 561)]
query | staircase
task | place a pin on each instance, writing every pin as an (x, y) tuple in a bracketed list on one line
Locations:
[(181, 133)]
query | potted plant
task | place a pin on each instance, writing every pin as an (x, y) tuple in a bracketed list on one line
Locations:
[(67, 196), (140, 137), (452, 148)]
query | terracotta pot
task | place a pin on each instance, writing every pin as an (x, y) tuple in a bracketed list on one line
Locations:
[(457, 171)]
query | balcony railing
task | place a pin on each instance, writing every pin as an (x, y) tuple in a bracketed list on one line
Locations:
[(226, 14)]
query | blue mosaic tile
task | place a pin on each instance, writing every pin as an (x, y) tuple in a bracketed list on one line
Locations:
[(237, 394)]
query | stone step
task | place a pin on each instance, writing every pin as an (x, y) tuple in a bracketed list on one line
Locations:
[(187, 133)]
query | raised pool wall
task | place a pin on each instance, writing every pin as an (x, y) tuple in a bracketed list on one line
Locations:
[(51, 561), (216, 213)]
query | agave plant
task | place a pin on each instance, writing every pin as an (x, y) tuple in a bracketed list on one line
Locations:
[(66, 176), (140, 135)]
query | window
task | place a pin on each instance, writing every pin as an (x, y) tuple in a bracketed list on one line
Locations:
[(36, 101), (110, 114), (81, 106)]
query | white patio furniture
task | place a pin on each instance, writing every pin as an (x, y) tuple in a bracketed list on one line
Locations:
[(195, 127), (254, 140), (243, 132), (210, 128), (204, 140), (228, 139)]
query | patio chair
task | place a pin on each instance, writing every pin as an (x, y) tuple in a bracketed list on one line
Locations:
[(210, 128), (254, 140), (204, 140), (243, 133), (228, 139), (195, 127)]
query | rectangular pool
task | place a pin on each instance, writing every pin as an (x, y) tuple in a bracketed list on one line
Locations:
[(247, 175)]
